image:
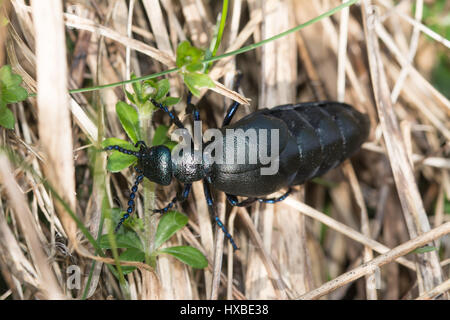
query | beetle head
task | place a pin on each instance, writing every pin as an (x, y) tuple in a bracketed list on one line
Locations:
[(156, 163)]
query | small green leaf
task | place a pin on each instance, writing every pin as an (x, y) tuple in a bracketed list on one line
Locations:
[(10, 92), (152, 83), (137, 87), (194, 67), (163, 87), (8, 78), (188, 255), (119, 161), (130, 96), (14, 94), (170, 144), (169, 224), (196, 81), (131, 255), (129, 119), (170, 101), (424, 249), (187, 54), (7, 118), (125, 239), (160, 136), (119, 142)]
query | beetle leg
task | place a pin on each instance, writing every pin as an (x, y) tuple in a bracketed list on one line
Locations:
[(230, 113), (210, 203), (233, 200), (235, 105), (275, 200), (181, 198), (189, 104), (131, 202)]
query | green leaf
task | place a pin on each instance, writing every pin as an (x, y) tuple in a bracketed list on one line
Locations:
[(124, 239), (137, 87), (160, 136), (130, 96), (14, 94), (170, 144), (187, 54), (170, 101), (169, 224), (119, 142), (424, 249), (8, 78), (196, 81), (119, 161), (10, 92), (188, 255), (163, 87), (194, 67), (129, 119), (131, 255), (7, 118)]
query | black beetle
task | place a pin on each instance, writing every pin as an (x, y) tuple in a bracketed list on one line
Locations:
[(313, 138)]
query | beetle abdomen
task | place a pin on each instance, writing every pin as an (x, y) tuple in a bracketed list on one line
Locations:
[(326, 132)]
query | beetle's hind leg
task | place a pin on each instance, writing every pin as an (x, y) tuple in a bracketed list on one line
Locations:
[(234, 105), (275, 200), (233, 200), (210, 203), (192, 106), (235, 203), (178, 198)]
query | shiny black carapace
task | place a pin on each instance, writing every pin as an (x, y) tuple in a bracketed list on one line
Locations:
[(313, 138)]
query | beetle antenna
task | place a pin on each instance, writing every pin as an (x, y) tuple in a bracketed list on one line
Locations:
[(137, 154)]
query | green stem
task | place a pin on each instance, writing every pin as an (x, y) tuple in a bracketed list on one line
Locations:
[(223, 20), (212, 59), (145, 112)]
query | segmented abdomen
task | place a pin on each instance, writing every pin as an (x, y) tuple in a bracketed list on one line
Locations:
[(326, 132)]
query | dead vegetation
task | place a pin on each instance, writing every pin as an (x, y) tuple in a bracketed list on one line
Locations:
[(347, 236)]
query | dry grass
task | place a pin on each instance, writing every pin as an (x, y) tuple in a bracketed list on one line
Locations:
[(327, 240)]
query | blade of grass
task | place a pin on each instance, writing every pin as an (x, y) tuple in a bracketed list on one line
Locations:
[(216, 58)]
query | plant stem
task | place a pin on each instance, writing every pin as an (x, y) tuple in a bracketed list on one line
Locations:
[(145, 112), (223, 20), (212, 59)]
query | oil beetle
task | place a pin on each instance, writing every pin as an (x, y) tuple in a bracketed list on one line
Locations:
[(313, 138)]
